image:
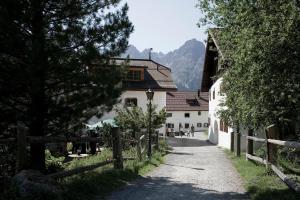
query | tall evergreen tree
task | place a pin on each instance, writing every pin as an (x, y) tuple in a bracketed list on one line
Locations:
[(261, 40), (55, 71)]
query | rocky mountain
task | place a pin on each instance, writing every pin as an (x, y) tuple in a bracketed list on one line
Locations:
[(186, 62)]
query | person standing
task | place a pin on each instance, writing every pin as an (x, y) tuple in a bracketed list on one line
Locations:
[(192, 130)]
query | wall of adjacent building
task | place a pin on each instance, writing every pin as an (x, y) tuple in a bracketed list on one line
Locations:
[(179, 117), (215, 135), (159, 99)]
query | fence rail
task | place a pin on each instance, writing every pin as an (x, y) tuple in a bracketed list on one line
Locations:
[(271, 143)]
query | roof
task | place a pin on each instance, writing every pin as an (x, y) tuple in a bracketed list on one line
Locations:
[(215, 51), (187, 101), (157, 76)]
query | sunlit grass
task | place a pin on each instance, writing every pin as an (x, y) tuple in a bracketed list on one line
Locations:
[(261, 183)]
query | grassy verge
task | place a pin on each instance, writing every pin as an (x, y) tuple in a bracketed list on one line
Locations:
[(99, 183), (262, 184)]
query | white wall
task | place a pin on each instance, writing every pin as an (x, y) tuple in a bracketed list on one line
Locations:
[(159, 99), (216, 136), (178, 117)]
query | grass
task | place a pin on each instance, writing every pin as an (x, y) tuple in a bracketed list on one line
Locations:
[(99, 183), (262, 184)]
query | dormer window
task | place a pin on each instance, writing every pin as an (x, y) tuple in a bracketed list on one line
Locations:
[(135, 75)]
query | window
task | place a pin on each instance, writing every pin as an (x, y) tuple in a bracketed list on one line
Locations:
[(214, 94), (199, 113), (208, 121), (223, 126), (206, 125), (199, 125), (186, 115), (169, 114), (131, 102), (209, 96), (221, 90), (170, 125), (186, 125), (134, 75)]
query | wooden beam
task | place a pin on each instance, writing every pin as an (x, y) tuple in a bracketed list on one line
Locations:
[(255, 158), (290, 144), (290, 182), (52, 139), (79, 170), (256, 139)]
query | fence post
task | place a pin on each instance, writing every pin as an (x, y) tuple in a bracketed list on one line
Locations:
[(238, 144), (249, 143), (272, 132), (139, 146), (21, 149), (117, 149), (232, 141), (157, 140)]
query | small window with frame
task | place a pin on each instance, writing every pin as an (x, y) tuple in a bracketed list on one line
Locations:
[(199, 113), (187, 115), (199, 125), (130, 102), (186, 125)]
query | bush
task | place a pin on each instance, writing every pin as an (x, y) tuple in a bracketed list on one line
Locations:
[(53, 164)]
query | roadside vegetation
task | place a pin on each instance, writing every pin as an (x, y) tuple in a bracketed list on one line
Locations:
[(101, 182), (261, 183)]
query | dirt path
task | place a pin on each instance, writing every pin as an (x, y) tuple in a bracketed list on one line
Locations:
[(194, 170)]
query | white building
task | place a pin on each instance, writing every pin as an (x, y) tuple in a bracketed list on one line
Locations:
[(186, 109), (144, 74), (219, 132)]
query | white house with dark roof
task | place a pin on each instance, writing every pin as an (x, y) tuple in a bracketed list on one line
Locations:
[(144, 74), (186, 109)]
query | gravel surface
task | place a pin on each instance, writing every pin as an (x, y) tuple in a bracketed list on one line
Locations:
[(195, 169)]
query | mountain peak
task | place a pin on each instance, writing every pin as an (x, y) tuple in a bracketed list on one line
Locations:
[(186, 62)]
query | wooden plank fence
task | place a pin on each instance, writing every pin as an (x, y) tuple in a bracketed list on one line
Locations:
[(271, 143), (23, 141)]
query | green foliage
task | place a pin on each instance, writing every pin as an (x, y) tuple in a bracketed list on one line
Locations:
[(158, 118), (53, 164), (130, 119), (261, 44), (133, 119), (102, 181)]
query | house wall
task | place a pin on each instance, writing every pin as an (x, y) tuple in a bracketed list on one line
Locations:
[(159, 99), (178, 117), (215, 135)]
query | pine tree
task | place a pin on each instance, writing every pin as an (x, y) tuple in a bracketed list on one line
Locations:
[(55, 71)]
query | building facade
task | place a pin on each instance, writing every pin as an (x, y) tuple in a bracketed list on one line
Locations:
[(187, 109), (143, 74)]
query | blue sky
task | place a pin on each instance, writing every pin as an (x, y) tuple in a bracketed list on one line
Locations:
[(164, 25)]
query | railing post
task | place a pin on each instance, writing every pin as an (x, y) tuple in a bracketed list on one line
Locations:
[(21, 149), (117, 149), (232, 141), (139, 146), (157, 140), (249, 143), (238, 144), (272, 132)]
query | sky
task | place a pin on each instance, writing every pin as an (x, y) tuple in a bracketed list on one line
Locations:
[(164, 25)]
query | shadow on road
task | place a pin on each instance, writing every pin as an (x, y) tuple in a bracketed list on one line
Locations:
[(187, 142), (195, 168), (157, 188)]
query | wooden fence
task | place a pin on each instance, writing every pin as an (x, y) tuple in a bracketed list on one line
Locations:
[(22, 141), (271, 144)]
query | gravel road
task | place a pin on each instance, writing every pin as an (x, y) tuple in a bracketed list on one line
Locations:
[(194, 170)]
